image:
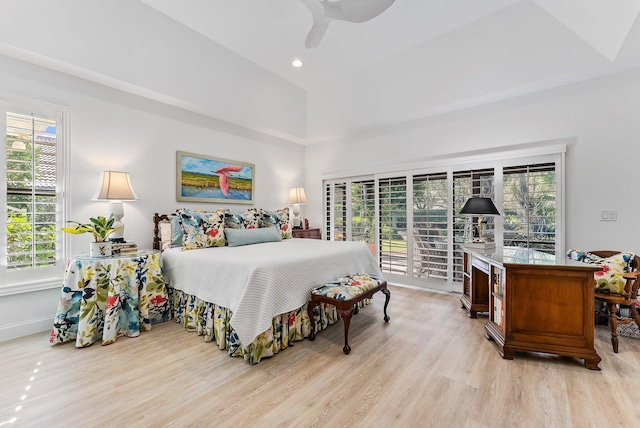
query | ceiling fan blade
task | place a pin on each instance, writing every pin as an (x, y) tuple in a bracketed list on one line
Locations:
[(323, 12), (355, 10), (316, 33), (320, 23)]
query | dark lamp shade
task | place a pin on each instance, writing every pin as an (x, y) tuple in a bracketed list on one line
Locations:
[(480, 206)]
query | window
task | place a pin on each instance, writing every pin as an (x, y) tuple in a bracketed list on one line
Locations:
[(430, 227), (32, 245), (31, 192), (350, 209), (468, 184), (392, 218), (419, 231), (363, 211), (336, 208), (529, 201)]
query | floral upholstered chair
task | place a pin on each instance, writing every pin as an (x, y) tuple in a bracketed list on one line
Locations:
[(616, 285)]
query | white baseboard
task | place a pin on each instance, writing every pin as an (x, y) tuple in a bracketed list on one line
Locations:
[(13, 331)]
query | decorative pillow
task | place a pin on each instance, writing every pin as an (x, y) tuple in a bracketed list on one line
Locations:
[(583, 256), (279, 219), (202, 229), (165, 234), (176, 231), (609, 279), (238, 237), (250, 219), (171, 232)]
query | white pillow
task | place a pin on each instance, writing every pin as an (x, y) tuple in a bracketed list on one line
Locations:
[(165, 234)]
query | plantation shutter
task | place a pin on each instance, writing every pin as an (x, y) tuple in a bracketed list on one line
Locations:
[(529, 201), (420, 233), (430, 204), (31, 173), (392, 226), (336, 211), (363, 211), (467, 184)]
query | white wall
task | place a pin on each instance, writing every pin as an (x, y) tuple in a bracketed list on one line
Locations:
[(462, 67), (114, 130), (131, 46), (601, 166)]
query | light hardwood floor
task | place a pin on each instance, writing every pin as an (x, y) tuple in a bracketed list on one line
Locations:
[(430, 366)]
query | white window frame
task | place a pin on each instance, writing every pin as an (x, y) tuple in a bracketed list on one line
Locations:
[(547, 152), (41, 278)]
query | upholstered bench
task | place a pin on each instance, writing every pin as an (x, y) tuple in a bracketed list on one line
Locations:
[(345, 293)]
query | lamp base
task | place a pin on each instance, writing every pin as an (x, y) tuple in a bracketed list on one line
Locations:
[(116, 209)]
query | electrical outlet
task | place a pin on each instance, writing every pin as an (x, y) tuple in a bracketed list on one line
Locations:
[(609, 215)]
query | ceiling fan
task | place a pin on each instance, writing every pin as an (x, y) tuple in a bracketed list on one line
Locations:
[(325, 11)]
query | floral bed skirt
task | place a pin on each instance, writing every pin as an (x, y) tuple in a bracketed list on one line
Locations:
[(213, 322)]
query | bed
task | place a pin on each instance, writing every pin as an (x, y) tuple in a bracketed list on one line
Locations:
[(252, 299)]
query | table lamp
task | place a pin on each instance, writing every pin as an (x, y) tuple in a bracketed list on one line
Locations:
[(297, 197), (115, 188), (480, 207)]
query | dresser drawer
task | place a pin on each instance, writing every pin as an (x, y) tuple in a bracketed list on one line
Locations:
[(307, 233)]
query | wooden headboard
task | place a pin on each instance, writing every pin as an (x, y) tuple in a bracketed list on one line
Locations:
[(157, 218)]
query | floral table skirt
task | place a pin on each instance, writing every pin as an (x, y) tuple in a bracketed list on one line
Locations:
[(103, 298)]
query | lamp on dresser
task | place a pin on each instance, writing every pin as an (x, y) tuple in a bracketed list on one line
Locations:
[(477, 206), (115, 188), (297, 197)]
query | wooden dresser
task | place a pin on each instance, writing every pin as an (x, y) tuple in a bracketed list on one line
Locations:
[(536, 303), (307, 233)]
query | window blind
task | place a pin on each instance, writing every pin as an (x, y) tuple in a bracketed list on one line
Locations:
[(529, 201), (467, 184), (363, 211), (336, 209), (392, 195), (31, 232), (429, 231)]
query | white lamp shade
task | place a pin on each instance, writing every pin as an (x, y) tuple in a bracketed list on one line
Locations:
[(116, 186), (297, 196)]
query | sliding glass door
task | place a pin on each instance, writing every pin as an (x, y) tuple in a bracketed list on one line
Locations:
[(412, 216)]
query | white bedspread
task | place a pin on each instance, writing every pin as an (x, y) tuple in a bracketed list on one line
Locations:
[(260, 281)]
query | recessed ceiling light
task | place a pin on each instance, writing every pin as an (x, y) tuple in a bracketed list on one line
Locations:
[(297, 63)]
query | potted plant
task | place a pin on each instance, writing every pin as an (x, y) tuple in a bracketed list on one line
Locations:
[(100, 227)]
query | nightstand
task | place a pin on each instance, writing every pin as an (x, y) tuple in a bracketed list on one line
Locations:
[(106, 297), (307, 233)]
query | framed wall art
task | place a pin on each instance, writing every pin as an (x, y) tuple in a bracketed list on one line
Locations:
[(202, 178)]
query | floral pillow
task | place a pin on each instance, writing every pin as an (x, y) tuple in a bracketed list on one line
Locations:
[(202, 229), (250, 219), (609, 279), (278, 219)]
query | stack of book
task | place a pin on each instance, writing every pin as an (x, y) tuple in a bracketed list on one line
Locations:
[(123, 247)]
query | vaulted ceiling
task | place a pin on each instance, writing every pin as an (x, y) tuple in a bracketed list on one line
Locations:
[(272, 33), (231, 59)]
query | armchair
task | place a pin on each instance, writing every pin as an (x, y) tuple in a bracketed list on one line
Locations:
[(625, 296)]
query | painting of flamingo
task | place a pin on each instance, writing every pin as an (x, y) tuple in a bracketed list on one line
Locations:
[(223, 176), (207, 179)]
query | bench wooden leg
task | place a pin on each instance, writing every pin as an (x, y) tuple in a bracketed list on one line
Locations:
[(387, 296), (346, 320), (345, 309)]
